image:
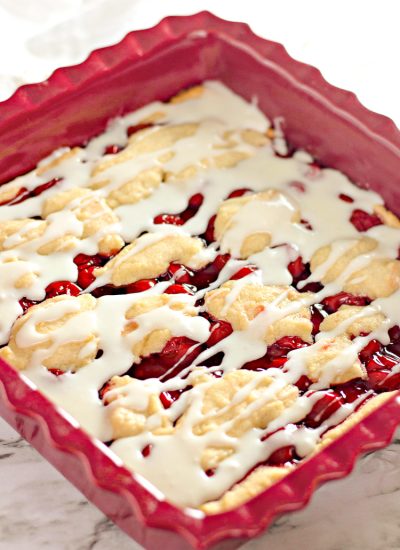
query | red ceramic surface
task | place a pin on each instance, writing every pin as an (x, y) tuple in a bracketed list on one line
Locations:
[(75, 104)]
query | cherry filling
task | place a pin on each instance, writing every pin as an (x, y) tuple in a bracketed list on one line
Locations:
[(62, 287), (239, 192), (333, 303), (179, 219), (209, 235), (198, 279), (168, 398), (363, 221), (137, 127), (186, 281), (380, 360), (25, 303), (283, 456), (86, 265), (178, 353), (53, 289), (24, 194), (345, 198), (112, 149), (147, 450), (317, 316), (301, 271), (57, 372), (243, 272), (276, 355)]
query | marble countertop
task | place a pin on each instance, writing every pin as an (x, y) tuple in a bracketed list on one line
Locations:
[(39, 509)]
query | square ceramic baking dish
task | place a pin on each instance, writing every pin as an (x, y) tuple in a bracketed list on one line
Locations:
[(74, 105)]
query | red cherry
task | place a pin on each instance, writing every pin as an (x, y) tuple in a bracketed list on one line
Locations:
[(167, 398), (363, 221), (147, 450), (369, 350), (244, 272), (208, 274), (282, 456), (179, 219), (170, 219), (102, 392), (184, 274), (196, 201), (394, 346), (297, 268), (179, 289), (333, 303), (303, 383), (286, 344), (345, 198), (209, 236), (219, 331), (238, 192), (85, 276), (383, 381), (112, 149), (107, 290), (316, 318), (140, 286), (56, 372), (85, 260), (25, 303), (380, 361), (175, 350), (323, 409), (350, 391), (137, 127), (62, 287)]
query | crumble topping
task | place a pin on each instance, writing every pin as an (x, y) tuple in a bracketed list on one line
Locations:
[(214, 306)]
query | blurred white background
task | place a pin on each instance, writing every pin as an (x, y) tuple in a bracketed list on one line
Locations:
[(355, 43)]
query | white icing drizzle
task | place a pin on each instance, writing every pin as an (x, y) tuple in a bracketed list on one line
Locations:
[(173, 465)]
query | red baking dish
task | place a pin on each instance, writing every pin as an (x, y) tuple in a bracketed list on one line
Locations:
[(74, 105)]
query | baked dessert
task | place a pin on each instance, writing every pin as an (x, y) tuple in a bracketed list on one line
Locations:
[(212, 305)]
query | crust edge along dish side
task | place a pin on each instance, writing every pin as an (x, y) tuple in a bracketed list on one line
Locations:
[(47, 113)]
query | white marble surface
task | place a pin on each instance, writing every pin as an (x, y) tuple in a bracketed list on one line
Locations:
[(355, 44)]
